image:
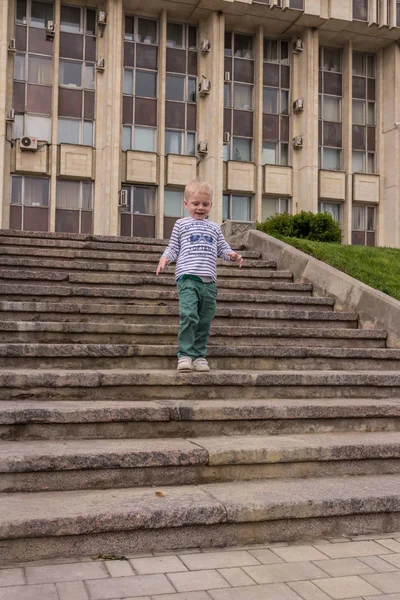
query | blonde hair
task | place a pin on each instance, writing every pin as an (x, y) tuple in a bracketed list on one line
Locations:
[(198, 186)]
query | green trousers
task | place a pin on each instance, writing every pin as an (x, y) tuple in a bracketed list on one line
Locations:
[(197, 303)]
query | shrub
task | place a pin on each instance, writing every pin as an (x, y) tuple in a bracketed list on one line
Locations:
[(320, 227)]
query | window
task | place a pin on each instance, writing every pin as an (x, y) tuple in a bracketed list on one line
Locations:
[(181, 89), (330, 109), (236, 208), (238, 97), (364, 110), (29, 203), (173, 209), (74, 206), (360, 10), (138, 217), (33, 70), (276, 92), (139, 114), (273, 206), (363, 225), (77, 81), (332, 208)]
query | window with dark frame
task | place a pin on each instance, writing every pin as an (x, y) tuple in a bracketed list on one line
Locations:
[(363, 225), (335, 209), (139, 113), (364, 113), (238, 97), (173, 209), (138, 217), (33, 70), (271, 206), (29, 203), (74, 206), (77, 76), (297, 4), (330, 141), (360, 10), (276, 102), (181, 89), (236, 207)]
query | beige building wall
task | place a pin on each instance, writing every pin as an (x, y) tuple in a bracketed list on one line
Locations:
[(322, 23)]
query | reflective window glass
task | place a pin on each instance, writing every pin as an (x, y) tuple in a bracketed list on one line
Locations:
[(40, 70), (173, 203), (242, 149), (71, 19), (144, 139), (242, 96), (146, 84), (270, 100), (69, 131), (269, 153), (38, 127), (174, 35), (147, 31), (175, 88), (70, 73), (173, 143)]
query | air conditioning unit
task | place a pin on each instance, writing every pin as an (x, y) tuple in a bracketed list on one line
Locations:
[(227, 137), (101, 64), (123, 198), (298, 142), (204, 87), (102, 18), (227, 76), (202, 147), (205, 46), (10, 115), (298, 105), (28, 143), (50, 29), (11, 45), (298, 46)]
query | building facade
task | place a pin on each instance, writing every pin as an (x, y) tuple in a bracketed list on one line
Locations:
[(282, 105)]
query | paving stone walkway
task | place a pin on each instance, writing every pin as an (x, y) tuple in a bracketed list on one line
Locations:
[(357, 568)]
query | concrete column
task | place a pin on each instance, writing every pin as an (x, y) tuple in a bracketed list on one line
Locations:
[(380, 147), (162, 65), (53, 150), (109, 123), (347, 133), (258, 119), (305, 161), (211, 109), (5, 69), (389, 209)]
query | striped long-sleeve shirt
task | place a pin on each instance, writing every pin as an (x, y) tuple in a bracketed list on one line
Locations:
[(195, 245)]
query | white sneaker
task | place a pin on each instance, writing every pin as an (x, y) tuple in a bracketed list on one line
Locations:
[(185, 364), (200, 364)]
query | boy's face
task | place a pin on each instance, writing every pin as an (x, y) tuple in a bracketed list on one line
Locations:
[(198, 205)]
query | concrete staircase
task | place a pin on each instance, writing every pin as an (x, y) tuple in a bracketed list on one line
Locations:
[(104, 448)]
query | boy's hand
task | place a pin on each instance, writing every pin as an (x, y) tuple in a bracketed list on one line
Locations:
[(235, 257), (162, 264)]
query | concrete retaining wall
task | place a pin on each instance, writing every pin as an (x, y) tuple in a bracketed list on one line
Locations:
[(376, 309)]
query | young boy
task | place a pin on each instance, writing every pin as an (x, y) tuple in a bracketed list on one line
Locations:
[(195, 244)]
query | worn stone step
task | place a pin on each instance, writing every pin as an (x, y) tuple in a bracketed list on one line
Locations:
[(116, 245), (167, 315), (281, 298), (148, 282), (88, 522), (228, 356), (122, 259), (17, 234), (224, 269), (79, 464), (64, 419), (122, 333), (106, 384)]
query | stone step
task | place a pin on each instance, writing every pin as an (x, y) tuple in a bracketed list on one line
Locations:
[(168, 315), (64, 419), (66, 265), (122, 260), (124, 384), (225, 357), (123, 333), (283, 284), (280, 298), (88, 522), (17, 234), (33, 466), (155, 248)]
